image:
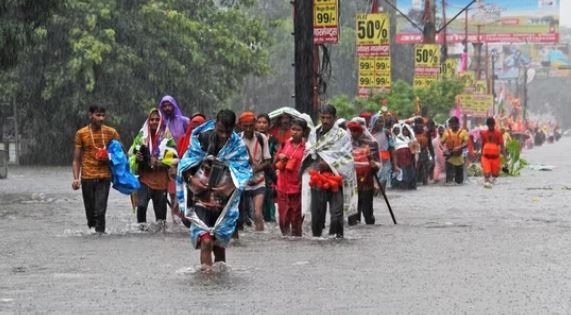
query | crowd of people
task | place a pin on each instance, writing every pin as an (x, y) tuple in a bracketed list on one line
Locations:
[(222, 174)]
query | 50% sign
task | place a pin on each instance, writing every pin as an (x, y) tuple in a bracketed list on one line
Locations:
[(427, 56), (372, 29)]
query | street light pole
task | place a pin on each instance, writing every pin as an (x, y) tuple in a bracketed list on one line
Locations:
[(493, 83), (525, 95)]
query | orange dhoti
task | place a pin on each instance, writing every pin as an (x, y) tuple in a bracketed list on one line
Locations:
[(491, 159)]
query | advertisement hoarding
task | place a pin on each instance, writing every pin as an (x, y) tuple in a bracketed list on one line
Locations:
[(492, 21)]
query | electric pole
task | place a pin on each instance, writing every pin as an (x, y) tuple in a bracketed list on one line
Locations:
[(305, 92), (429, 19)]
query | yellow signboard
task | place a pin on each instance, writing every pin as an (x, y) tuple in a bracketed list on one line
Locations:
[(427, 55), (426, 65), (383, 64), (469, 77), (477, 103), (374, 72), (383, 72), (372, 29), (423, 82), (373, 51), (449, 69), (325, 13), (325, 21), (481, 87)]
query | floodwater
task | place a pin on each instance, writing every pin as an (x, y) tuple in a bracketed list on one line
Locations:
[(460, 249)]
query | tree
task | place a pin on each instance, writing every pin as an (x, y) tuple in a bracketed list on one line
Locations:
[(436, 101), (20, 19), (125, 55)]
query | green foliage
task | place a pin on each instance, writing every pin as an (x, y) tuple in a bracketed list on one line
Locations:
[(21, 20), (125, 55), (438, 99), (345, 108), (435, 101), (474, 170), (515, 162)]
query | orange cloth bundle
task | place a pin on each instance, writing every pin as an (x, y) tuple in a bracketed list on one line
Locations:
[(280, 165), (325, 180), (361, 160)]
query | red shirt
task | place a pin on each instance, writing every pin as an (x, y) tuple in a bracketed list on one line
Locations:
[(184, 142), (289, 180)]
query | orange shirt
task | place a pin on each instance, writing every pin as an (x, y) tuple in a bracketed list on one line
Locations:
[(494, 136), (91, 168)]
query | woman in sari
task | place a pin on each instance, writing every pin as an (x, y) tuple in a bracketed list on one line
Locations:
[(439, 160), (404, 164)]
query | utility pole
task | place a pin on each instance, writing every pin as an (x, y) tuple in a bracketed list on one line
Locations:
[(305, 72), (524, 115), (493, 85), (444, 49), (429, 19), (478, 46), (16, 132)]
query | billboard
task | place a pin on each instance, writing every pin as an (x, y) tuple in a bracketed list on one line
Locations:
[(547, 60), (491, 21)]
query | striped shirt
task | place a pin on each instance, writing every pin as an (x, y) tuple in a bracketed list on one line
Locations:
[(89, 142)]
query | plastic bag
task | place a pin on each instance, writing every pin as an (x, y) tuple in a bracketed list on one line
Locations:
[(121, 177)]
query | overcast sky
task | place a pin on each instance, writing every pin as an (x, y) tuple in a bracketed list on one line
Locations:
[(565, 13)]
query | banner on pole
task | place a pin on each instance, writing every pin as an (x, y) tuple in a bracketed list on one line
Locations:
[(426, 65), (373, 53), (325, 21), (500, 21)]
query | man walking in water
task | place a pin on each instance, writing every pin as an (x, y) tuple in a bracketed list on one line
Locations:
[(454, 141), (329, 150), (260, 160), (216, 168), (492, 147), (177, 124), (90, 167)]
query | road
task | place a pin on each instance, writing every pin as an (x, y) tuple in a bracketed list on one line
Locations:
[(462, 249)]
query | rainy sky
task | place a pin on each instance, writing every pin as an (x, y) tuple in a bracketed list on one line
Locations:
[(565, 9)]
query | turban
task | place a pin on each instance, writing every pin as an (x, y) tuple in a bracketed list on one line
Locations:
[(354, 126), (365, 115), (247, 117), (198, 119)]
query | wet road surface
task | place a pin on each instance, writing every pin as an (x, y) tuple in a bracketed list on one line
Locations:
[(461, 249)]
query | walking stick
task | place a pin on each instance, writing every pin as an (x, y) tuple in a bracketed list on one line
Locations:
[(382, 188)]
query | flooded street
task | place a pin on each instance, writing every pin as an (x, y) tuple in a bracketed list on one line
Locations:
[(463, 249)]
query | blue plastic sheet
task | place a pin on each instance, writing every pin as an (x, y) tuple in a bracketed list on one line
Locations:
[(121, 177)]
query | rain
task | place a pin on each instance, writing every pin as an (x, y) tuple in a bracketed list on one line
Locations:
[(457, 248)]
